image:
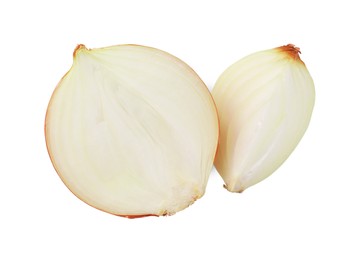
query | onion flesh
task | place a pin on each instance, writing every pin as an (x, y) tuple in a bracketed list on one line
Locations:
[(131, 130)]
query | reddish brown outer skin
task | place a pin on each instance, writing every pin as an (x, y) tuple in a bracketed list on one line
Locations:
[(79, 46), (137, 216), (291, 51), (82, 46)]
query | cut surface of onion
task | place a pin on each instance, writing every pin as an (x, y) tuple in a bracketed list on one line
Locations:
[(264, 104), (132, 130)]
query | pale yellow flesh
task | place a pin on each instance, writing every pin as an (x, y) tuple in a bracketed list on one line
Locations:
[(132, 130)]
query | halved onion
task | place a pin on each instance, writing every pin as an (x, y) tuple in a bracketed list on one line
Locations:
[(132, 131)]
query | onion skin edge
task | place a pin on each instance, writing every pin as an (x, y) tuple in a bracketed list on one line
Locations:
[(137, 216)]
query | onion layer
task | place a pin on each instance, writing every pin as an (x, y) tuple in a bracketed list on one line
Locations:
[(264, 103)]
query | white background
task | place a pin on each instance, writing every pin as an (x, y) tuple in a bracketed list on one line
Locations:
[(308, 209)]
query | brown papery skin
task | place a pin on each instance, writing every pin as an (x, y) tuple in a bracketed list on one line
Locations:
[(138, 216), (291, 51)]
